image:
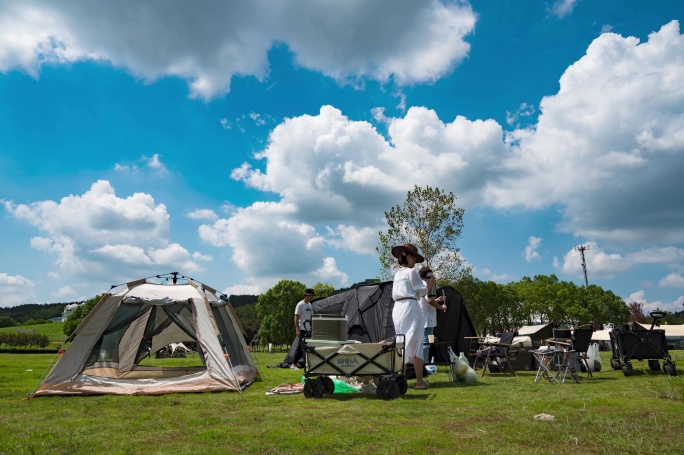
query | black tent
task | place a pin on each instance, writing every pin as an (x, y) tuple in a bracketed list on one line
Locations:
[(452, 326), (293, 357), (369, 310)]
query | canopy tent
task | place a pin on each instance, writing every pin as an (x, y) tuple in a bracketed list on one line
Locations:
[(671, 330), (538, 332), (600, 335), (125, 328), (369, 310)]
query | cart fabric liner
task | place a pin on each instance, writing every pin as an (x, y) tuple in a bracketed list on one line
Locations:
[(357, 359)]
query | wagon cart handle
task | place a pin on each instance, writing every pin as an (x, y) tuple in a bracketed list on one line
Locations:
[(656, 315)]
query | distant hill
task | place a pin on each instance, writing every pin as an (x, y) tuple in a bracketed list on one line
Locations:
[(35, 311)]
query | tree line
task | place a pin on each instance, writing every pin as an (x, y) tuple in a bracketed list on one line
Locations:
[(23, 339), (30, 313)]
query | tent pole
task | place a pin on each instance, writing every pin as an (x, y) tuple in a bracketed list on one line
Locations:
[(230, 364)]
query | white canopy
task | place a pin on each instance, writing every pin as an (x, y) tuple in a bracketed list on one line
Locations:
[(600, 335), (671, 330)]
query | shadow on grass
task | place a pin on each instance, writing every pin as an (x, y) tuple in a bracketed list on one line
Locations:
[(423, 395), (456, 385)]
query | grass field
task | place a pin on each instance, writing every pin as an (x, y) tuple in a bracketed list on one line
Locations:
[(608, 413)]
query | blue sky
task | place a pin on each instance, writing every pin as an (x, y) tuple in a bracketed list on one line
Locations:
[(241, 143)]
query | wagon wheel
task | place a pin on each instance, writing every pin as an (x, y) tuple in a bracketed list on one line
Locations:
[(313, 388), (387, 390), (615, 364), (669, 369), (654, 365), (627, 369), (328, 384), (402, 383)]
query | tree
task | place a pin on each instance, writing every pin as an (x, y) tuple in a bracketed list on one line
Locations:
[(75, 318), (248, 318), (275, 309), (430, 220), (636, 312), (6, 321), (492, 307), (323, 290)]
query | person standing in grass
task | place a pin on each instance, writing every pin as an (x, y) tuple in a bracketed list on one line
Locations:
[(302, 319), (407, 315), (430, 304)]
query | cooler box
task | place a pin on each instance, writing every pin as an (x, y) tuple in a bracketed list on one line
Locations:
[(327, 327)]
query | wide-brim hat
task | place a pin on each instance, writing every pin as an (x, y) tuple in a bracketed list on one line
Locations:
[(309, 291), (401, 250)]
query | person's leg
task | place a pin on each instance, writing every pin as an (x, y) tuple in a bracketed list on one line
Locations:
[(426, 343), (418, 367)]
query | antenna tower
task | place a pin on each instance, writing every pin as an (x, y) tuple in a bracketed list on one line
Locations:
[(581, 250)]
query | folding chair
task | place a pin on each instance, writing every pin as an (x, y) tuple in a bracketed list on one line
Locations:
[(497, 352), (562, 344), (581, 339), (546, 357)]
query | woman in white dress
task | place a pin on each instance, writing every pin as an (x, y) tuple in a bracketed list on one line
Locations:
[(407, 315)]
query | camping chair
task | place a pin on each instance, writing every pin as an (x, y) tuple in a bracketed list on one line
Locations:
[(497, 352), (581, 339)]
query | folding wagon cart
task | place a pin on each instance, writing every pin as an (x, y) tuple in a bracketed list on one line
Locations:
[(383, 362), (639, 344)]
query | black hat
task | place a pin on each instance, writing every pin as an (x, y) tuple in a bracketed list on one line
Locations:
[(402, 250), (309, 291)]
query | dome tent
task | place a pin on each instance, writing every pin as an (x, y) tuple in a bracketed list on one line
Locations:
[(128, 326)]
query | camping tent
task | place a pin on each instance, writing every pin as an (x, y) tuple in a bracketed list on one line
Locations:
[(126, 327), (369, 310), (452, 326), (539, 333), (674, 333)]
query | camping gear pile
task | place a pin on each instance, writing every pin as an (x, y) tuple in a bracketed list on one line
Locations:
[(368, 308)]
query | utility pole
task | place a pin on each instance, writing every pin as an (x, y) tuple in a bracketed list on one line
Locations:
[(582, 249)]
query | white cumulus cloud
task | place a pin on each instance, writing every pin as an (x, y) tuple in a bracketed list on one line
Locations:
[(16, 290), (531, 253), (208, 43), (96, 233)]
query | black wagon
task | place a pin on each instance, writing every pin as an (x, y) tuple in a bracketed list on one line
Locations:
[(641, 344), (382, 361)]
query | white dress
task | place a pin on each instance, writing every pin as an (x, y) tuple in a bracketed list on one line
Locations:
[(407, 315)]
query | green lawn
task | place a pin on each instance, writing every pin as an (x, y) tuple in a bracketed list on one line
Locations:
[(607, 414)]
